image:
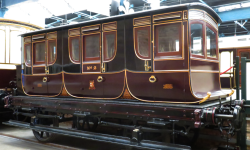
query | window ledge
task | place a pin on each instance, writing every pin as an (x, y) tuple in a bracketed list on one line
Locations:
[(92, 62), (175, 57)]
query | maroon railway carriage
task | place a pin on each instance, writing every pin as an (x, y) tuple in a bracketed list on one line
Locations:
[(166, 55), (126, 67)]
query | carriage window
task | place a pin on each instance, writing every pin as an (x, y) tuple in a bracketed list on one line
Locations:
[(245, 54), (92, 47), (168, 39), (51, 51), (75, 48), (211, 43), (109, 45), (142, 41), (28, 54), (196, 39), (39, 50)]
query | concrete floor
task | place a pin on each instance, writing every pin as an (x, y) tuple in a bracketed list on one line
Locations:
[(9, 143), (14, 138)]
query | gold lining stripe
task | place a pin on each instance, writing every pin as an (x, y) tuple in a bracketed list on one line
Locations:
[(44, 95), (135, 43), (102, 47), (99, 98)]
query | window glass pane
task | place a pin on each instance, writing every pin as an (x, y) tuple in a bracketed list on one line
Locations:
[(28, 53), (15, 47), (196, 39), (109, 45), (168, 38), (245, 54), (211, 43), (52, 51), (75, 49), (143, 42), (92, 45), (40, 52)]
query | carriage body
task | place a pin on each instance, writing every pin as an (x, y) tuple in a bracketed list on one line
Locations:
[(165, 55)]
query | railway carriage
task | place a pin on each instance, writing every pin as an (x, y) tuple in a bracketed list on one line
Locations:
[(230, 47), (155, 56), (152, 68)]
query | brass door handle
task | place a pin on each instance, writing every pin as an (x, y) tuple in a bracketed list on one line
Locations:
[(103, 67), (46, 70), (99, 79), (146, 65), (45, 79), (152, 79)]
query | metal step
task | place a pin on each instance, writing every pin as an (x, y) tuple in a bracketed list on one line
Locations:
[(125, 141)]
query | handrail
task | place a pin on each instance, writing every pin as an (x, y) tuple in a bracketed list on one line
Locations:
[(226, 70), (206, 97)]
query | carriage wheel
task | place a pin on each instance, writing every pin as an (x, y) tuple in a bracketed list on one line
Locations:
[(42, 136)]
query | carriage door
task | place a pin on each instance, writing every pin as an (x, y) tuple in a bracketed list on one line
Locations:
[(91, 62), (44, 55), (140, 79), (38, 81), (243, 53), (112, 59), (54, 79)]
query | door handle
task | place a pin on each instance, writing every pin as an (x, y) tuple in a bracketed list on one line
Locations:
[(152, 79), (146, 65), (45, 79), (46, 70), (103, 67), (99, 79)]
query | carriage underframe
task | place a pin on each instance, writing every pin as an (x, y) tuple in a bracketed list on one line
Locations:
[(167, 119)]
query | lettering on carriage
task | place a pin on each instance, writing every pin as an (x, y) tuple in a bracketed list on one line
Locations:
[(39, 85), (168, 86), (91, 67)]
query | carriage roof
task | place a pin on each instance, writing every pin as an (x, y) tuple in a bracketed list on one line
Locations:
[(169, 8)]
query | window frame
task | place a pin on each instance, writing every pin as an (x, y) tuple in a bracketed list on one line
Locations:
[(104, 45), (88, 59), (167, 54), (48, 52), (40, 63), (25, 54), (136, 42), (203, 38), (70, 49), (217, 46)]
